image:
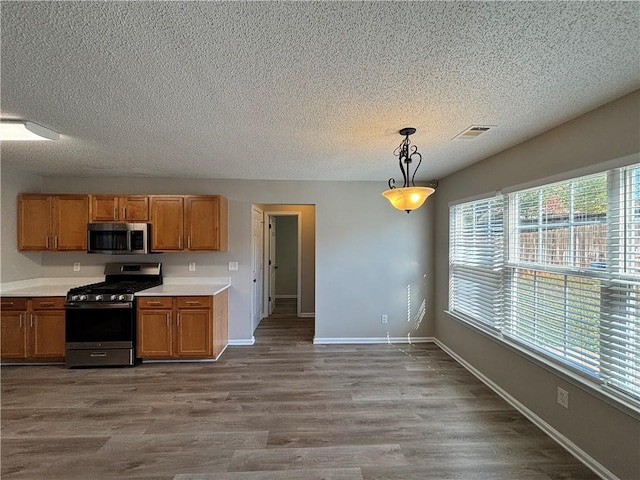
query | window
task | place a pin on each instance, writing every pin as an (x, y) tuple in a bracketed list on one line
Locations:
[(556, 270)]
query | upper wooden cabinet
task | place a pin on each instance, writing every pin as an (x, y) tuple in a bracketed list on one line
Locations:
[(52, 222), (113, 208), (189, 223)]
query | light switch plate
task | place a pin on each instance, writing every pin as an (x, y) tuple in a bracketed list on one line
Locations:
[(233, 265)]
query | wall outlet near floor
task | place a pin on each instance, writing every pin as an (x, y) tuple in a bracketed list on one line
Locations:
[(384, 319), (76, 266), (233, 265), (563, 397), (192, 266)]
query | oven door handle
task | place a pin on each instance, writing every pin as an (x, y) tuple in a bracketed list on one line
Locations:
[(95, 306)]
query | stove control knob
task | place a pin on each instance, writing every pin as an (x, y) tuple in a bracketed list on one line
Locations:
[(82, 298), (114, 297), (121, 298), (98, 298), (75, 297)]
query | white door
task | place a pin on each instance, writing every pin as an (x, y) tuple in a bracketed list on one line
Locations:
[(257, 247), (272, 263)]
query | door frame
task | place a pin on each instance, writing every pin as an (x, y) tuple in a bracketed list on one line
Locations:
[(257, 291), (265, 270)]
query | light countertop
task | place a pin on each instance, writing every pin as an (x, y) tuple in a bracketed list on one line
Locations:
[(58, 287)]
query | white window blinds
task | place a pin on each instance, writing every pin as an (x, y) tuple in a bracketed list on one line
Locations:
[(476, 258), (570, 286)]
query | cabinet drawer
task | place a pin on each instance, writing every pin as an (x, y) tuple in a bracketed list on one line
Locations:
[(13, 303), (48, 303), (193, 302), (154, 302)]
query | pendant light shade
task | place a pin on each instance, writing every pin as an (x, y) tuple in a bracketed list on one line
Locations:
[(408, 197)]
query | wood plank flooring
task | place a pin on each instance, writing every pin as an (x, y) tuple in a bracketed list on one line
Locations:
[(282, 409)]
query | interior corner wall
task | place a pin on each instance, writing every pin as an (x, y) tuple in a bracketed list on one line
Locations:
[(607, 434), (16, 265)]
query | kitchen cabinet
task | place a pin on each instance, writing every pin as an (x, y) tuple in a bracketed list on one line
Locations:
[(32, 329), (52, 222), (114, 208), (189, 223), (182, 327)]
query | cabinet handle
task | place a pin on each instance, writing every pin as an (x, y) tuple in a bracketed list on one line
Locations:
[(8, 304), (189, 241), (178, 319), (124, 213), (31, 320), (180, 242), (115, 213), (168, 319), (47, 304), (21, 318), (154, 303), (56, 244), (192, 302), (46, 242)]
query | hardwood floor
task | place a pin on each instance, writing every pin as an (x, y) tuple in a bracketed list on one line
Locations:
[(282, 409)]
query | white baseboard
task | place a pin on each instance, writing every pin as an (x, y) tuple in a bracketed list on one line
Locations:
[(307, 315), (242, 342), (370, 340), (558, 437)]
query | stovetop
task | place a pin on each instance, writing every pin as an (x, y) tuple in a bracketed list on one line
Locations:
[(121, 282)]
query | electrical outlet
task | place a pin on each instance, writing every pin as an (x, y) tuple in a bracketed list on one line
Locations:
[(563, 397), (192, 266), (76, 266), (384, 319), (233, 265)]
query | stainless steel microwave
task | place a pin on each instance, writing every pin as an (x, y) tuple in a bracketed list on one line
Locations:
[(118, 238)]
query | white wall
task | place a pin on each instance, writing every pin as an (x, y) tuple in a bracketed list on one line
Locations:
[(607, 434), (368, 255)]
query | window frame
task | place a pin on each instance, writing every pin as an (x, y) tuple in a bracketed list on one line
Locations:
[(572, 371)]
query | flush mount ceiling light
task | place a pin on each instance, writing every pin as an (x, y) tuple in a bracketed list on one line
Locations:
[(14, 130), (408, 197)]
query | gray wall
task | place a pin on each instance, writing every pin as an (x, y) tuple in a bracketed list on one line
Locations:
[(607, 434), (369, 256), (287, 256), (14, 265)]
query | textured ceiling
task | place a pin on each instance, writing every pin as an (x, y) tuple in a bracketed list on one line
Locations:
[(301, 90)]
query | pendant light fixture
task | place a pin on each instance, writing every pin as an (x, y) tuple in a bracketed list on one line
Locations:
[(408, 197)]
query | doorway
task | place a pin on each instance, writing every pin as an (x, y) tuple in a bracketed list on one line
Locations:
[(282, 261)]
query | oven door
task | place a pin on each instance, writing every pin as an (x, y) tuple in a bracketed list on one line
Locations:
[(105, 325)]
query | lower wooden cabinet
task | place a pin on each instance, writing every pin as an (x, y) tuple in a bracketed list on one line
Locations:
[(182, 327), (32, 329)]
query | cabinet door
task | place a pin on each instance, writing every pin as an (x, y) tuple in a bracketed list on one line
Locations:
[(104, 208), (220, 322), (70, 218), (201, 223), (47, 334), (13, 335), (167, 217), (154, 333), (194, 333), (34, 222), (134, 208)]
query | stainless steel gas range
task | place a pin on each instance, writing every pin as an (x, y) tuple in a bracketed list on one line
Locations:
[(100, 319)]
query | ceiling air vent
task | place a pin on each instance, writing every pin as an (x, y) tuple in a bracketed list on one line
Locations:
[(473, 131)]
